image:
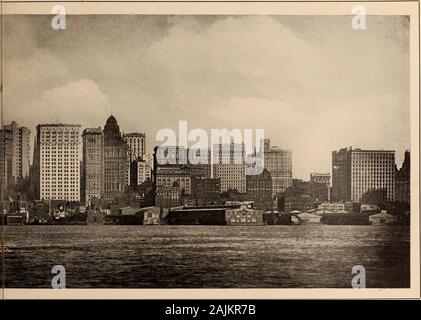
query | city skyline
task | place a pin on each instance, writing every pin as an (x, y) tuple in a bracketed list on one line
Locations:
[(312, 171), (347, 77), (105, 171)]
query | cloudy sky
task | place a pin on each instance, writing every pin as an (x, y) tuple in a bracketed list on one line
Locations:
[(313, 84)]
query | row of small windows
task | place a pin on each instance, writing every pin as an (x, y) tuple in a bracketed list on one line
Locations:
[(58, 196), (186, 180), (60, 147), (46, 169), (61, 176), (59, 163), (60, 134), (58, 190), (59, 155), (59, 142)]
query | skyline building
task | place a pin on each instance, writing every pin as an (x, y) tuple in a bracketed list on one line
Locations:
[(205, 191), (136, 141), (168, 196), (319, 186), (57, 163), (355, 171), (140, 172), (93, 164), (6, 159), (15, 153), (180, 175), (116, 160), (279, 163), (229, 165), (259, 190), (203, 166)]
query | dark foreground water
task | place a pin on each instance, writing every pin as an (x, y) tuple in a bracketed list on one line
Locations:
[(202, 256)]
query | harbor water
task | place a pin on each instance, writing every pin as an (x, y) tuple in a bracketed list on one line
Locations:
[(207, 256)]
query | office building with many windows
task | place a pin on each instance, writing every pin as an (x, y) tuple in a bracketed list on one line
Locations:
[(356, 171), (58, 161)]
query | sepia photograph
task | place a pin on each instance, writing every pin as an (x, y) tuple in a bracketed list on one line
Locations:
[(237, 149)]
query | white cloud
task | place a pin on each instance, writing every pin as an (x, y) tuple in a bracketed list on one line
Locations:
[(313, 83), (77, 102)]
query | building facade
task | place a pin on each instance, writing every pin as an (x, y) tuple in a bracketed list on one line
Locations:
[(259, 190), (298, 202), (319, 186), (340, 207), (341, 175), (244, 216), (200, 162), (355, 171), (6, 159), (169, 175), (335, 207), (115, 161), (374, 197), (238, 214), (15, 157), (140, 171), (93, 164), (168, 196), (149, 159), (372, 169), (279, 164), (229, 166), (58, 158), (136, 141), (20, 150), (297, 197), (320, 177), (206, 191)]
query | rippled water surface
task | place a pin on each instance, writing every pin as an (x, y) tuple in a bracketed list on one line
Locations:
[(203, 256)]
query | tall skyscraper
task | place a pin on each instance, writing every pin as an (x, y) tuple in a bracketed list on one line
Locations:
[(57, 159), (229, 165), (14, 158), (93, 164), (136, 142), (6, 159), (279, 164), (115, 161), (355, 171)]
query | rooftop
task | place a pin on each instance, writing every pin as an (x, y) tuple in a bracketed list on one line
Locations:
[(134, 134), (58, 125), (92, 131), (350, 149), (380, 150)]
